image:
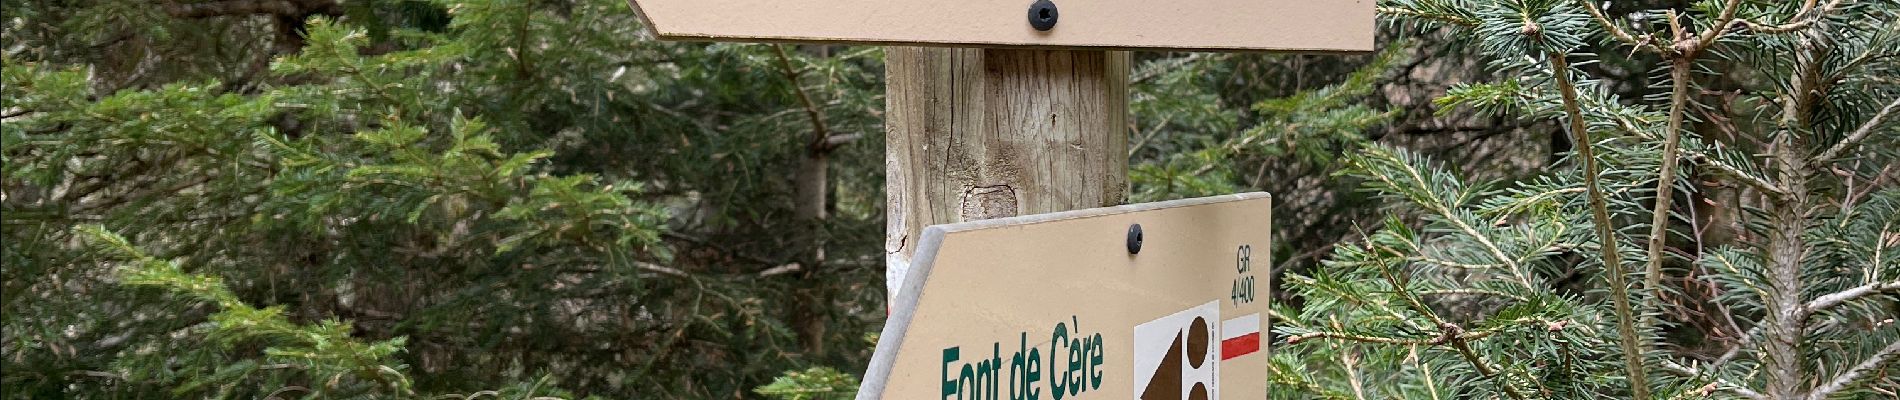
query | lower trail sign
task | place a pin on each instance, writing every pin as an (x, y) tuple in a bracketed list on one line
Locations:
[(1155, 301)]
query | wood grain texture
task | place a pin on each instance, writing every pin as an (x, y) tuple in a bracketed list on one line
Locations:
[(987, 133)]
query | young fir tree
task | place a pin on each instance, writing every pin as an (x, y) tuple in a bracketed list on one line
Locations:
[(1732, 233), (405, 199)]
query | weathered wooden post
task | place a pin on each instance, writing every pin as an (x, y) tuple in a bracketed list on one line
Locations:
[(974, 134), (1015, 109)]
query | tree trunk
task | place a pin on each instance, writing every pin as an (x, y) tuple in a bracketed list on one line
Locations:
[(976, 134), (809, 187), (812, 301), (1787, 376), (1781, 350)]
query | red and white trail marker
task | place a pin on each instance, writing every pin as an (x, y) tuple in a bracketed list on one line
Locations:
[(1239, 336)]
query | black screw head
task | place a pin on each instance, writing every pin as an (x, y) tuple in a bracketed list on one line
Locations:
[(1042, 15), (1134, 239)]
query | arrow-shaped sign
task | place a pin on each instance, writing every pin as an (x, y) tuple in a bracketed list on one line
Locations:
[(1211, 25), (1084, 305)]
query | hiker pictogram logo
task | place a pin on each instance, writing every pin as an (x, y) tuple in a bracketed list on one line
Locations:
[(1177, 358)]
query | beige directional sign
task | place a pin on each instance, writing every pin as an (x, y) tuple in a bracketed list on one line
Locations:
[(1069, 306), (1282, 25)]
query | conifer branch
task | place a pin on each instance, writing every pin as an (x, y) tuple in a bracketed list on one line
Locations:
[(1831, 300), (232, 8), (1746, 341), (325, 346), (250, 7), (1452, 333), (1743, 177), (1716, 29), (1522, 276), (1859, 134), (1464, 349), (1440, 17), (1450, 264), (1706, 159), (661, 269), (1740, 390), (1846, 379), (1599, 212), (1439, 206), (1616, 31), (1443, 337), (1473, 292), (820, 131), (1379, 306), (1666, 181), (1715, 384), (1805, 19), (1777, 29)]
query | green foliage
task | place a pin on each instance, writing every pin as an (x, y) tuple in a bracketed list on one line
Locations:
[(818, 383), (418, 199), (1497, 291), (1513, 28), (1312, 126), (323, 359), (1406, 295), (524, 199), (1501, 98)]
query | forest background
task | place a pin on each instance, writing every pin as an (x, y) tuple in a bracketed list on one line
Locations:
[(534, 198)]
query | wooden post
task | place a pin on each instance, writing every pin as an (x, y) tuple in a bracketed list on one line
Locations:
[(989, 133)]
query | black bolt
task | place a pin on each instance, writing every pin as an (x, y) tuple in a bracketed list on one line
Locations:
[(1042, 15), (1134, 239)]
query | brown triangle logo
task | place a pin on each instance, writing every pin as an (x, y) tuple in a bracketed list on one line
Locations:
[(1166, 386), (1176, 357)]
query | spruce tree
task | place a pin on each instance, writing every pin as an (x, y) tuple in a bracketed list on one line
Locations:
[(411, 199), (1730, 233)]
